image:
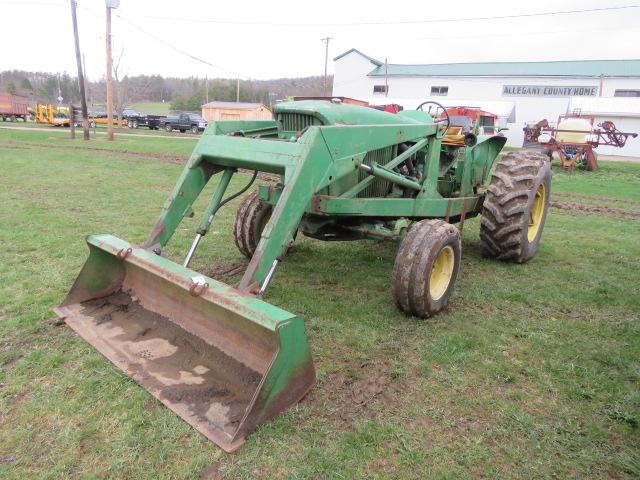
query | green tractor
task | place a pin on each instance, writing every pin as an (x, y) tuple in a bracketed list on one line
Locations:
[(220, 356)]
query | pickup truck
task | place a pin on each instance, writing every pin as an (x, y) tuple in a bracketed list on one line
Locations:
[(183, 122)]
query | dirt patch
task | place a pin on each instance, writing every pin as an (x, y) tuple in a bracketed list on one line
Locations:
[(14, 147), (212, 472), (596, 198), (151, 404), (584, 209), (11, 362), (226, 271), (197, 380), (356, 390), (17, 399), (174, 159)]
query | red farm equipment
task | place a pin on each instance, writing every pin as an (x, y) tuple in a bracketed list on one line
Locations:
[(575, 139), (13, 107)]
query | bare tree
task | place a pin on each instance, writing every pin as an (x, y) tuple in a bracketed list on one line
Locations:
[(120, 91), (127, 88)]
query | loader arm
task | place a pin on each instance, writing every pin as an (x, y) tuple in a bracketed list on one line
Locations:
[(325, 159)]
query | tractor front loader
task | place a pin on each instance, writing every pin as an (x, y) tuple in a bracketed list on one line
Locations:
[(224, 359)]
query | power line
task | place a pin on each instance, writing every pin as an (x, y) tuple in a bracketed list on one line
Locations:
[(179, 50), (173, 47), (388, 22), (28, 3)]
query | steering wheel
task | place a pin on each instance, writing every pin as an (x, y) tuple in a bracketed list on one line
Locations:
[(446, 120)]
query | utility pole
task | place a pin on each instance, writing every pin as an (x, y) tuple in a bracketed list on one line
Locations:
[(386, 78), (206, 89), (238, 90), (83, 98), (111, 4), (326, 60)]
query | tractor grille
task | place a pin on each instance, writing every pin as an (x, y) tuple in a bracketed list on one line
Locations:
[(294, 122), (379, 188)]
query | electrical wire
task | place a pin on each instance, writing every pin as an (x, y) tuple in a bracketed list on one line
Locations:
[(132, 26), (173, 47), (29, 3), (388, 22)]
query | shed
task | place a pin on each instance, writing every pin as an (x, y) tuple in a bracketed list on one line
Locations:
[(214, 111)]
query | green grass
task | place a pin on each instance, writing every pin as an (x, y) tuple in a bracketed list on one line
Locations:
[(532, 372), (152, 108)]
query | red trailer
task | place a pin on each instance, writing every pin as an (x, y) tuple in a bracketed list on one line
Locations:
[(13, 107)]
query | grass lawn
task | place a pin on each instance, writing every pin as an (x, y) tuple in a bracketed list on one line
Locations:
[(152, 108), (532, 372)]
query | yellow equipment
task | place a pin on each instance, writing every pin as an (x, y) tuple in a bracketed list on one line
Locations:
[(49, 114)]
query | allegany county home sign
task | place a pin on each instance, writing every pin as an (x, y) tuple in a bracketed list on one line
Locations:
[(548, 91)]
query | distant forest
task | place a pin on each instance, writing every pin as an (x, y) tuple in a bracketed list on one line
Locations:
[(184, 94)]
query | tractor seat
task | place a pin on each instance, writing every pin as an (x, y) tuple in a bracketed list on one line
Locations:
[(454, 136)]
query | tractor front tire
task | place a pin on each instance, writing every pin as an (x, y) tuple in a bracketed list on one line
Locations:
[(251, 218), (515, 207), (426, 268)]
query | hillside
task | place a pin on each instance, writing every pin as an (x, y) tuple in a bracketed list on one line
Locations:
[(181, 93)]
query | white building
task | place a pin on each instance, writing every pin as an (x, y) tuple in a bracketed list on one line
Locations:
[(518, 92)]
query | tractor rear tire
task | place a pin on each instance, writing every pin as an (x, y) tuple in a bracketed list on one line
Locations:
[(515, 207), (251, 218), (426, 268)]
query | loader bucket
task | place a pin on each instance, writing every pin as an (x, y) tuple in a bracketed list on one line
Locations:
[(222, 360)]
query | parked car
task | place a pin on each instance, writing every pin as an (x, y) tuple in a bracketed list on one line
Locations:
[(183, 122)]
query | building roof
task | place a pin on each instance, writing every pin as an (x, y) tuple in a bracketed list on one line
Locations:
[(606, 106), (569, 68), (354, 50), (233, 105)]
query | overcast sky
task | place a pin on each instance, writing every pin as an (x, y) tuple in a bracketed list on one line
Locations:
[(260, 39)]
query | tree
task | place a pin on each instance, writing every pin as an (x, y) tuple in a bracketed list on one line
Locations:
[(25, 84), (11, 87)]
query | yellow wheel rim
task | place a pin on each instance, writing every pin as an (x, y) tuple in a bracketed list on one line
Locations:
[(441, 273), (535, 215)]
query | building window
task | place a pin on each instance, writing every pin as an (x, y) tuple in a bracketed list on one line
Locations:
[(627, 93), (381, 89), (439, 91)]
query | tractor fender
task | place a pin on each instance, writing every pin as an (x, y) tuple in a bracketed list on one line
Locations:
[(485, 153)]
